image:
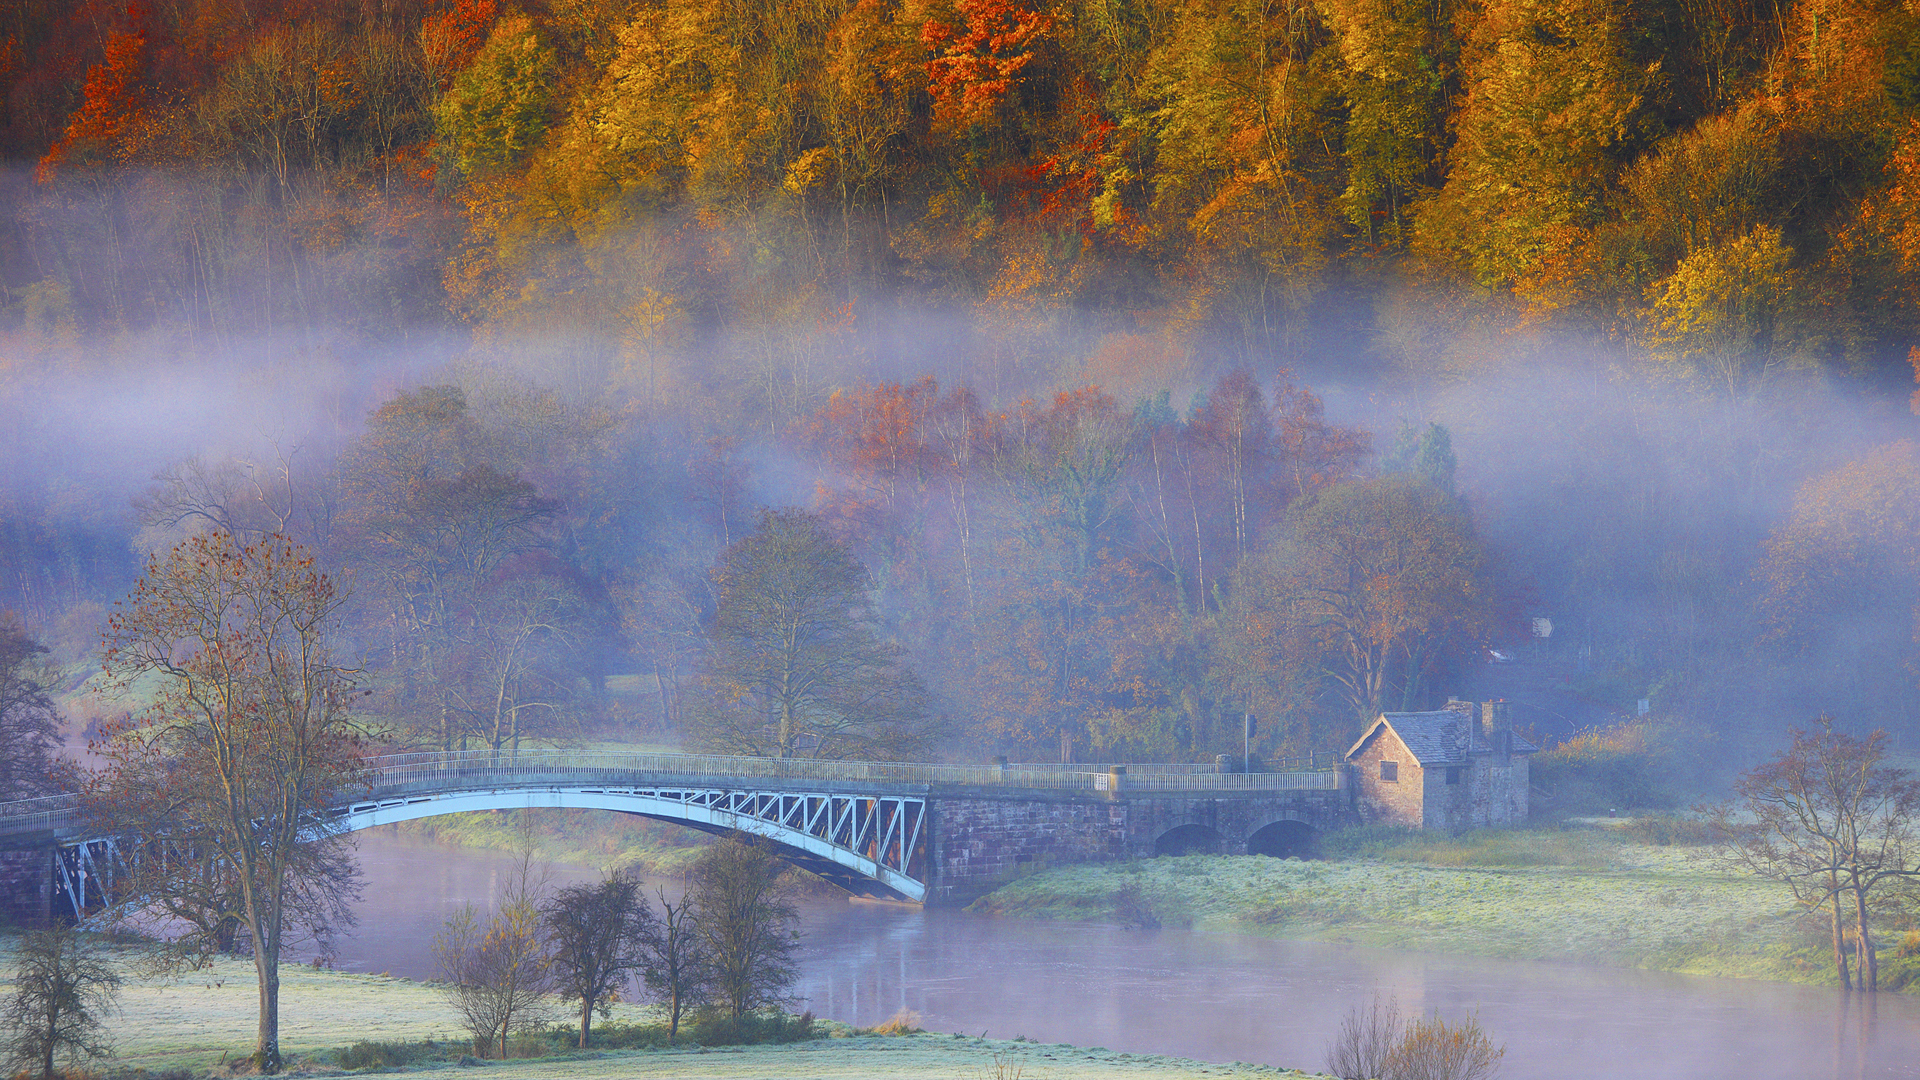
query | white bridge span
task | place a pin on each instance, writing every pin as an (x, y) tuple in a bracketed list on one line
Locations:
[(869, 845)]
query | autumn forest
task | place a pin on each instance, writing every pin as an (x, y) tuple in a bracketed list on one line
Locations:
[(1111, 371)]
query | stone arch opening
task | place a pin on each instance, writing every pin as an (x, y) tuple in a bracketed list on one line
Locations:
[(1285, 840), (1188, 840)]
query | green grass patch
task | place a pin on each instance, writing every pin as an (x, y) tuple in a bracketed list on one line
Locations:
[(1587, 894)]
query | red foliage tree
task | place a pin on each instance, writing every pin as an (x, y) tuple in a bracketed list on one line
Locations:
[(112, 113), (976, 63), (452, 35)]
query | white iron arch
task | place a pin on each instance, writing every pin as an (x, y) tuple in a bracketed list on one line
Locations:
[(858, 842)]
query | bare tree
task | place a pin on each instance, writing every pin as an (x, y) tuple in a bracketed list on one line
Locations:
[(247, 497), (1834, 824), (1376, 1043), (675, 965), (1386, 578), (662, 619), (233, 771), (498, 975), (63, 990), (598, 935), (745, 915), (512, 672), (1366, 1041), (795, 667), (442, 535)]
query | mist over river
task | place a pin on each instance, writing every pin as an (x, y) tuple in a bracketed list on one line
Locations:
[(1218, 997)]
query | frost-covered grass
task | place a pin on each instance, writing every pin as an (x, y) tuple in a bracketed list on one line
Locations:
[(199, 1019), (1588, 895), (199, 1022), (908, 1057)]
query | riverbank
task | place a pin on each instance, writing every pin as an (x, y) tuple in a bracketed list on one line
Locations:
[(195, 1026), (1592, 894)]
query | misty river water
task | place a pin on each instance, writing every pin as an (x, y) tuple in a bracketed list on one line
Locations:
[(1221, 997)]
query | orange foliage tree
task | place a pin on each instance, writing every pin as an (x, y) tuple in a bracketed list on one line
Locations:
[(111, 119), (977, 63)]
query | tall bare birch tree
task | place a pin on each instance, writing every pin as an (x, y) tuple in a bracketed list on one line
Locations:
[(225, 779)]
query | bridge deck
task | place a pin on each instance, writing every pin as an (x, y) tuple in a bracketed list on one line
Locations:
[(61, 818)]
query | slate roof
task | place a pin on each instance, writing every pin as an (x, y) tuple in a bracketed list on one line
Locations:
[(1440, 737)]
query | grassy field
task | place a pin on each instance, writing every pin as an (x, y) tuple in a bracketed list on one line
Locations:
[(1590, 894), (203, 1022)]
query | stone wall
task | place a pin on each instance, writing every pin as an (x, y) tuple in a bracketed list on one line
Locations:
[(26, 886), (1402, 802), (980, 843)]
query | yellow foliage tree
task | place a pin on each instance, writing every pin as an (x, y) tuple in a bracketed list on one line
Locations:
[(498, 108), (1551, 98), (1245, 171), (1732, 314)]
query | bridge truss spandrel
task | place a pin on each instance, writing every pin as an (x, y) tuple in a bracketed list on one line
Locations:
[(870, 845), (876, 829)]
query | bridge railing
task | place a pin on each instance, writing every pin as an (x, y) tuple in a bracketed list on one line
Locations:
[(1325, 780), (418, 771), (398, 770), (410, 770), (44, 814)]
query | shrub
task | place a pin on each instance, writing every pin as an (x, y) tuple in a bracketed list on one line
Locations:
[(1375, 1044), (379, 1055), (1666, 829), (1132, 909), (630, 1036), (1433, 1049), (1630, 764), (904, 1022), (715, 1026)]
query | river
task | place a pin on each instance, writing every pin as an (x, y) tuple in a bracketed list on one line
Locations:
[(1221, 997)]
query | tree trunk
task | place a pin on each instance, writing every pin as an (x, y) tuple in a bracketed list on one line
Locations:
[(1869, 964), (1840, 946), (53, 1026), (660, 683), (266, 1052), (586, 1020)]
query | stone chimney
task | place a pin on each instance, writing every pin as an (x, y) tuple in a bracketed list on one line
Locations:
[(1496, 726)]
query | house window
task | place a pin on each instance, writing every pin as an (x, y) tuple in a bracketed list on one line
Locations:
[(1390, 772), (1453, 774)]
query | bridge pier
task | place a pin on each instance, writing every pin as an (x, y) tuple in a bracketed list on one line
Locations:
[(26, 886)]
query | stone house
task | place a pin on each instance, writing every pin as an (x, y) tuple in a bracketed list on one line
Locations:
[(1455, 768)]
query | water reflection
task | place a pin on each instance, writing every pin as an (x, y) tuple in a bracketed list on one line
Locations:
[(1224, 997)]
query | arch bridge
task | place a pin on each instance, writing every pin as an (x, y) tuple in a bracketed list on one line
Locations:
[(914, 833)]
